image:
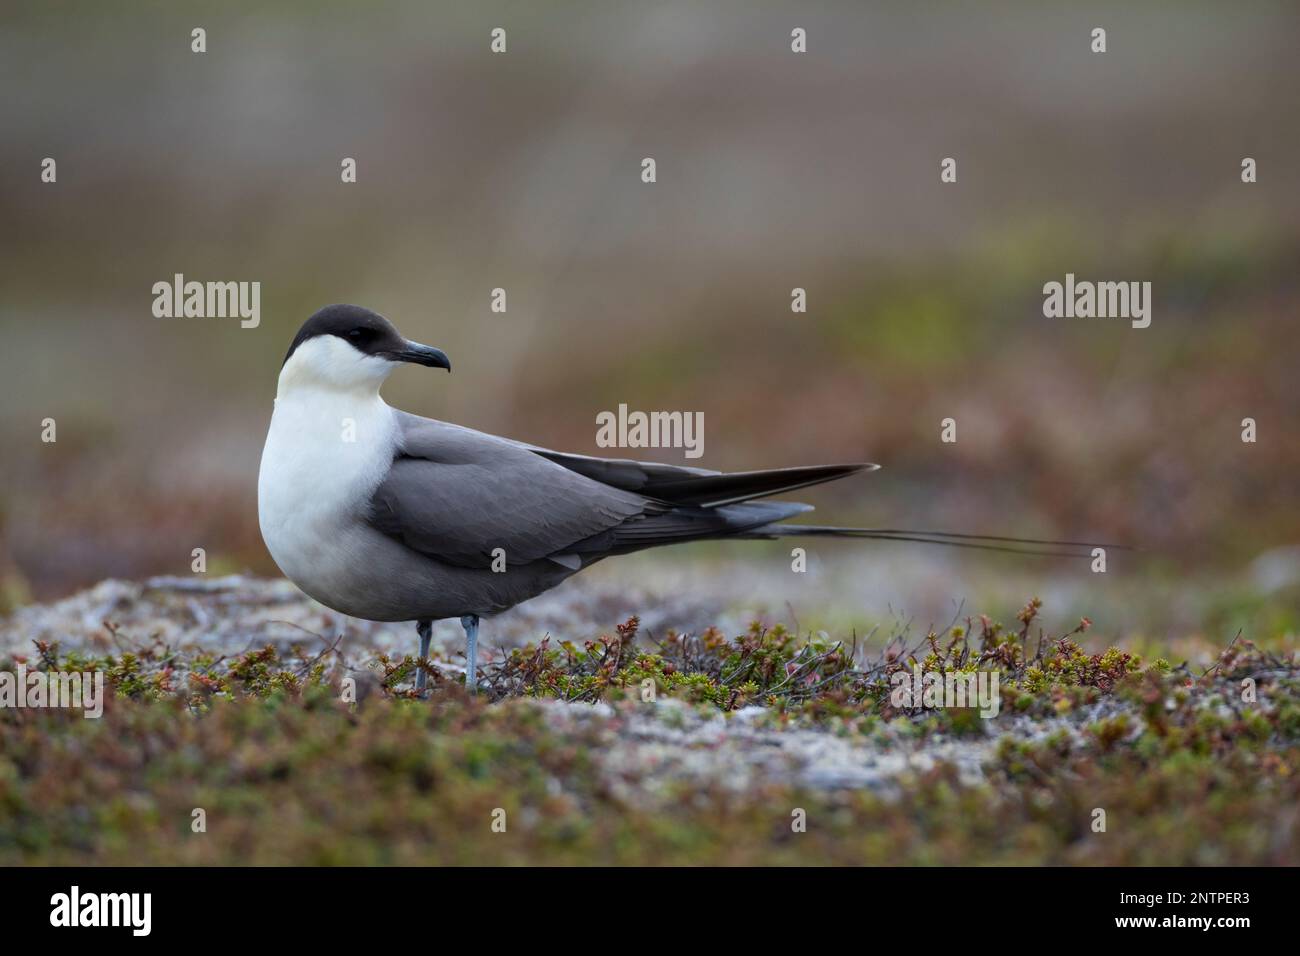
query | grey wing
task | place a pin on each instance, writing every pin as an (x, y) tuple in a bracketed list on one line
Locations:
[(686, 486), (457, 495)]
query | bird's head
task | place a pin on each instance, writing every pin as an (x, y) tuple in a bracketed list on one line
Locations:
[(346, 347)]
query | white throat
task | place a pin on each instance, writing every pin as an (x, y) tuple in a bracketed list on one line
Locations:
[(327, 363)]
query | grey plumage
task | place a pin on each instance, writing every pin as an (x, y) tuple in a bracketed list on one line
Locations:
[(455, 496)]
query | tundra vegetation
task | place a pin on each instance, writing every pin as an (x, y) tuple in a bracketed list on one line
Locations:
[(764, 747)]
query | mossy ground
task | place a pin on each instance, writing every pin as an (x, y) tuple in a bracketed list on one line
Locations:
[(286, 770)]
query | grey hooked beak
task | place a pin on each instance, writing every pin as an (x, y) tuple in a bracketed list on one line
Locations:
[(419, 354)]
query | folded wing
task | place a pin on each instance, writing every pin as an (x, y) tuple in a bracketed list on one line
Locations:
[(456, 495)]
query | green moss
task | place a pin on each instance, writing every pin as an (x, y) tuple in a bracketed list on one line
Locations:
[(1187, 769)]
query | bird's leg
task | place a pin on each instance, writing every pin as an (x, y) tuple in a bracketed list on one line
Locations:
[(470, 623), (425, 630)]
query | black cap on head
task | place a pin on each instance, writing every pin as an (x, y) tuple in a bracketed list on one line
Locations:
[(367, 332)]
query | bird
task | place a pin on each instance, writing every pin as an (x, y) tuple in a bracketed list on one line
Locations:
[(387, 516)]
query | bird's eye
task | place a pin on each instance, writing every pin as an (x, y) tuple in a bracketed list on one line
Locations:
[(357, 334)]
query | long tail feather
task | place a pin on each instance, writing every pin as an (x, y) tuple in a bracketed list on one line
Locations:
[(981, 542)]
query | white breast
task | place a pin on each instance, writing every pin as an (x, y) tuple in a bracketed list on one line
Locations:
[(326, 452)]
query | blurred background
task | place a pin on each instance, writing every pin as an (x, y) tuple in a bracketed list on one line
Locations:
[(775, 171)]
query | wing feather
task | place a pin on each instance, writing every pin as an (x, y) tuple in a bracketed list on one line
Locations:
[(457, 495)]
